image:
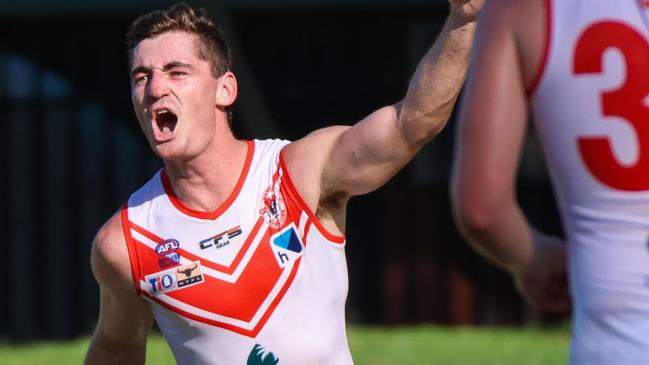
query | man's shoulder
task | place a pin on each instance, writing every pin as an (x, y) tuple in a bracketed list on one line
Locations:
[(514, 12), (314, 143), (109, 255)]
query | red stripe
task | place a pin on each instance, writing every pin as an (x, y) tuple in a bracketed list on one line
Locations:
[(289, 184), (278, 298), (546, 48), (242, 331), (243, 292), (212, 265), (225, 205), (235, 263), (307, 228), (240, 300), (134, 258), (150, 235)]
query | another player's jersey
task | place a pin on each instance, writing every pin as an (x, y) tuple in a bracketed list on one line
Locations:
[(591, 109), (257, 281)]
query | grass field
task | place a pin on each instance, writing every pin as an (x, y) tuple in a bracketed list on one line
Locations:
[(369, 346)]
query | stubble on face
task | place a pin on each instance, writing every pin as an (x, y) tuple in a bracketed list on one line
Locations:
[(171, 88)]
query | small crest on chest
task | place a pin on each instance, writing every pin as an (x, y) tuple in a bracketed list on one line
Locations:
[(273, 207)]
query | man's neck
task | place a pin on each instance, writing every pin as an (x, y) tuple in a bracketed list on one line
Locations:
[(206, 181)]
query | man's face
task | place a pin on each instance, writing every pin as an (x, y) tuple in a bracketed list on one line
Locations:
[(174, 94)]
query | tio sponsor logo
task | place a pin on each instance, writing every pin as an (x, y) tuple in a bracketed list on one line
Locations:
[(174, 279), (161, 283)]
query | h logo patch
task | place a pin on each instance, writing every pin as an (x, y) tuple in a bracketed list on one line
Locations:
[(286, 245)]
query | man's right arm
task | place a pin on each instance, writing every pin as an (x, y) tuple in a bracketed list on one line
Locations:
[(124, 317)]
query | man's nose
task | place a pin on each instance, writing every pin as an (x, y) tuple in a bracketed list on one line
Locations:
[(158, 84)]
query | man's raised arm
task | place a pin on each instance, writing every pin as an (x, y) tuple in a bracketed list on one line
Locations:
[(332, 164)]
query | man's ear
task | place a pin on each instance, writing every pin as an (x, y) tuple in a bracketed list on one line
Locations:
[(226, 90)]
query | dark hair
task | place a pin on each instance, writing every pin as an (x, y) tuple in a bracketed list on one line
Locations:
[(212, 46)]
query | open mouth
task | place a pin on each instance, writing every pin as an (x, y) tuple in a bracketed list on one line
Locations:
[(166, 122)]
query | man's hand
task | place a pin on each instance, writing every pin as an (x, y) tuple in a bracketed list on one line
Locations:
[(543, 281), (466, 9)]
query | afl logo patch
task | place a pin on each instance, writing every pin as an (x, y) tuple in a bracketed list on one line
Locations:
[(273, 208), (167, 247), (167, 251)]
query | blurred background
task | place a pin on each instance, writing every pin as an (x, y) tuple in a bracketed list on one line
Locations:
[(73, 152)]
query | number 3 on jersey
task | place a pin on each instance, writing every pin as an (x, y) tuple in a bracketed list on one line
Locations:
[(627, 102)]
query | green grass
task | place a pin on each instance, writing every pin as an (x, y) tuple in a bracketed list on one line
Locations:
[(423, 345)]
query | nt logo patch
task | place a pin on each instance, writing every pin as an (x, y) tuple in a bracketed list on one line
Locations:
[(260, 356)]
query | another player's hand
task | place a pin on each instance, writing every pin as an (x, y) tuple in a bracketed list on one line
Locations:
[(544, 281), (467, 9)]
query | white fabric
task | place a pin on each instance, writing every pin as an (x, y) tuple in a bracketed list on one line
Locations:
[(307, 324), (607, 226)]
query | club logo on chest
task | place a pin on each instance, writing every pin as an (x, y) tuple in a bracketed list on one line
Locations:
[(273, 208)]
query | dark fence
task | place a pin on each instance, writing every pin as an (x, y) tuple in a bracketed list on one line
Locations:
[(68, 163)]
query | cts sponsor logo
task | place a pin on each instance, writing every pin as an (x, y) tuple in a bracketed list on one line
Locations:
[(222, 239), (167, 249), (287, 245), (173, 279)]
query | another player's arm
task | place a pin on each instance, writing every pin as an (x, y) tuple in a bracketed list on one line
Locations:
[(335, 163), (491, 130), (124, 318)]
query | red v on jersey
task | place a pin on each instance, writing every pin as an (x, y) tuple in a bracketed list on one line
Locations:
[(243, 301)]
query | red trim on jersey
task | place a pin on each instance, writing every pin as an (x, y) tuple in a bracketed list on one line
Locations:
[(306, 232), (240, 300), (205, 262), (150, 235), (242, 331), (255, 283), (278, 298), (289, 183), (136, 266), (225, 205), (235, 263), (546, 48)]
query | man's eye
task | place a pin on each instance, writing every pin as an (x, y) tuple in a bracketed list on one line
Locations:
[(177, 74), (137, 80)]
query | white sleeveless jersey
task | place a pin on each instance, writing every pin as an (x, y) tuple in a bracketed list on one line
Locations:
[(258, 281), (591, 109)]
